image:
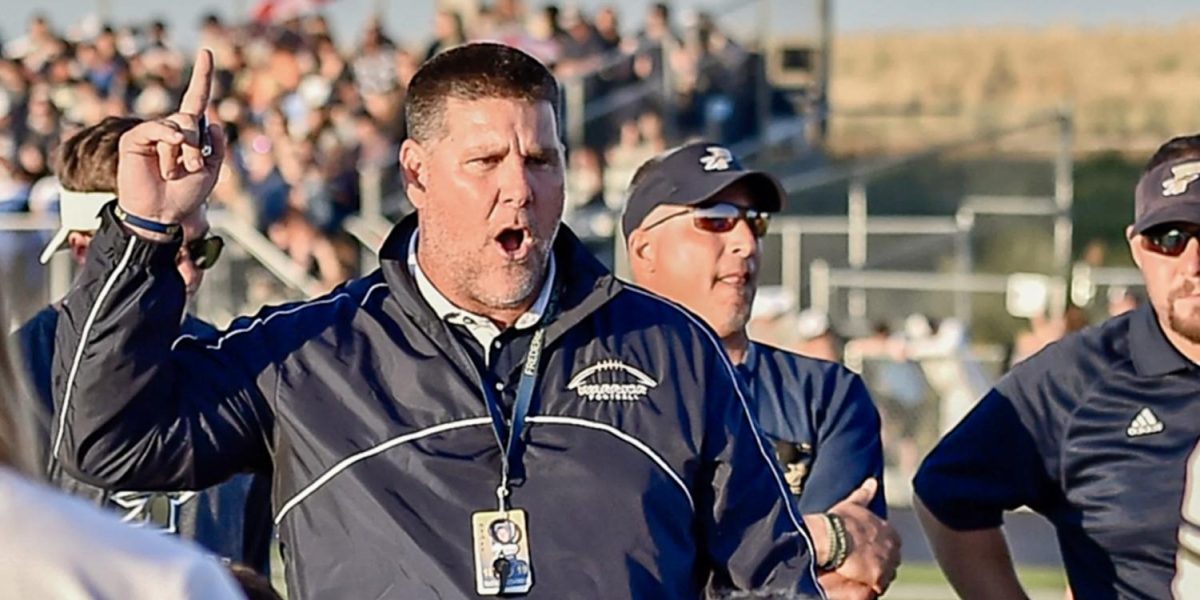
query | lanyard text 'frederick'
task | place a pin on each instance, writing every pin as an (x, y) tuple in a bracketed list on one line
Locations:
[(510, 444)]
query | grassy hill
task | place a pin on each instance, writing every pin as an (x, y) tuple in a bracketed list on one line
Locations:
[(1130, 87)]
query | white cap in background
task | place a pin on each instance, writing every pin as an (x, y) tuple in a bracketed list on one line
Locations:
[(77, 211)]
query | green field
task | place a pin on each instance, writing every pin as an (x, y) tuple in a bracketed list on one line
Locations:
[(921, 581)]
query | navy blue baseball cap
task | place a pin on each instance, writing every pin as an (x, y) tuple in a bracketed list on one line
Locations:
[(693, 175), (1168, 193)]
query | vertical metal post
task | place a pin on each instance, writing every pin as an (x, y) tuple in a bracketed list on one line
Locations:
[(818, 286), (1064, 194), (791, 262), (821, 106), (964, 263), (667, 91), (370, 192), (576, 117), (856, 245), (765, 47)]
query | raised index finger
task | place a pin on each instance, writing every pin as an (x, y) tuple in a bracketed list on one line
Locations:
[(195, 98)]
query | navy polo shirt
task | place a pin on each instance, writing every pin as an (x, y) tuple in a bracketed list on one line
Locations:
[(823, 423), (1093, 433)]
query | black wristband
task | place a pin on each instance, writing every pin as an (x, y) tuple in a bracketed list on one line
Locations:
[(839, 543)]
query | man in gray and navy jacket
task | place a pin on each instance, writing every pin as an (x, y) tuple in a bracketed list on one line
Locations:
[(384, 407)]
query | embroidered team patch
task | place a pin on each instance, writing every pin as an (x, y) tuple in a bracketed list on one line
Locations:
[(611, 380), (1181, 177), (717, 159)]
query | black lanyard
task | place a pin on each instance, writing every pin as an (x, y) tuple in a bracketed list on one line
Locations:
[(508, 432)]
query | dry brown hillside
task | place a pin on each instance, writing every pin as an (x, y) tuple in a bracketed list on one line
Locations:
[(1129, 87)]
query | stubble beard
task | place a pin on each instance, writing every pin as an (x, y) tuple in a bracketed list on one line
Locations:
[(1186, 325)]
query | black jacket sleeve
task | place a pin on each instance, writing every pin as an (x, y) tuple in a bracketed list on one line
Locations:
[(136, 405)]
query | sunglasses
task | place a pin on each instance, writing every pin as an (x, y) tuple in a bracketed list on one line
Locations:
[(1170, 239), (204, 252), (722, 218)]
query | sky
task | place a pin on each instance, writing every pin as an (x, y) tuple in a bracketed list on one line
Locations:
[(409, 20)]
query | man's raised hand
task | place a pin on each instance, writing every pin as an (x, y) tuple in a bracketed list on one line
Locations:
[(161, 175)]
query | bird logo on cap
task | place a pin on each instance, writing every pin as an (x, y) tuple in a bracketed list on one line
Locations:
[(717, 159), (1181, 177)]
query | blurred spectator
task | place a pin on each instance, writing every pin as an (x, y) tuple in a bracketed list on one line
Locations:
[(639, 140), (815, 336), (448, 32), (1122, 300), (1045, 331), (942, 350), (36, 47), (507, 22), (608, 28), (585, 179), (768, 316), (898, 386), (310, 124), (585, 210), (543, 36), (373, 63), (582, 48)]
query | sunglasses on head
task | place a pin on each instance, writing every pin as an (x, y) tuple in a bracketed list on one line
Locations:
[(1169, 239), (204, 252), (722, 218)]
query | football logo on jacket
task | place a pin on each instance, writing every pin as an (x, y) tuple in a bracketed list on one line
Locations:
[(611, 380)]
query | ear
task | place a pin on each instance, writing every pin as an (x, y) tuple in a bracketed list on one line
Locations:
[(78, 243), (1135, 249), (414, 168), (642, 253)]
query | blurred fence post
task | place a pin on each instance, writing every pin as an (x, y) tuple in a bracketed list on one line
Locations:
[(765, 46), (818, 286), (370, 206), (667, 92), (856, 245), (792, 262), (964, 263), (1064, 194), (576, 109)]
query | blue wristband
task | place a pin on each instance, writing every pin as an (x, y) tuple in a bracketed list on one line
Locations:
[(147, 224)]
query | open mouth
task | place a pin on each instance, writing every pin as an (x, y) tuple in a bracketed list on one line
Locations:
[(738, 278), (514, 242)]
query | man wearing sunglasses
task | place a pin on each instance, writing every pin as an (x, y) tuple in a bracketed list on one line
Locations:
[(231, 520), (693, 222), (1094, 431)]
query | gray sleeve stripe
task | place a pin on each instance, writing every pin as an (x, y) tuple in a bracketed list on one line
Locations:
[(625, 437)]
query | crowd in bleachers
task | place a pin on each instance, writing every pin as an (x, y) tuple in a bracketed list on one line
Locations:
[(306, 113)]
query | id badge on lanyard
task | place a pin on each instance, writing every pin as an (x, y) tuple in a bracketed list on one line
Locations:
[(500, 538), (501, 548)]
